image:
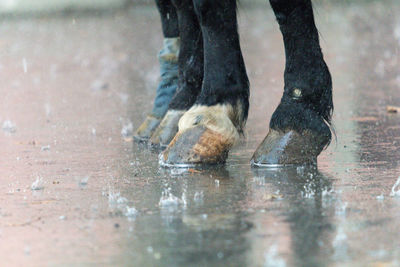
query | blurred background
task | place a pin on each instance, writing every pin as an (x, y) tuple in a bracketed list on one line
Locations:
[(18, 7)]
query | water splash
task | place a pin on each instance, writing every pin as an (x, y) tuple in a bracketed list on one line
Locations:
[(271, 258), (9, 127), (115, 198), (127, 129), (45, 148), (130, 212), (198, 196), (38, 184), (169, 200), (82, 182), (259, 180), (300, 170), (395, 189), (328, 192), (341, 210), (309, 191), (24, 65), (119, 205)]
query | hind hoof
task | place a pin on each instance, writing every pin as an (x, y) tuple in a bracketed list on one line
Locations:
[(167, 129), (285, 148), (146, 129), (195, 146)]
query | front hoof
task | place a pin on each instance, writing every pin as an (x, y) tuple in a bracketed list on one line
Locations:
[(146, 129), (167, 129), (206, 133), (195, 146), (285, 148)]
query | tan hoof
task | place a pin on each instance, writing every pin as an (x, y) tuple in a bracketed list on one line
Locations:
[(205, 136), (194, 146), (146, 129), (167, 129), (285, 148)]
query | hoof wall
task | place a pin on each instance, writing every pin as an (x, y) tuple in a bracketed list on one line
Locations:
[(196, 146), (146, 129), (289, 148), (166, 131)]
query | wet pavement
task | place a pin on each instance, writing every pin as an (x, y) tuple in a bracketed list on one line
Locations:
[(77, 192)]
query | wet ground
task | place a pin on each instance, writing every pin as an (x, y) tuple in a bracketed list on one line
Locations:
[(76, 191)]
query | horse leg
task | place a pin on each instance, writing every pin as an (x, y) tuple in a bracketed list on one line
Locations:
[(190, 73), (168, 59), (300, 126), (211, 127)]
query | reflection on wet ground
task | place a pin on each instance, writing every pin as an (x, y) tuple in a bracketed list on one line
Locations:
[(76, 191)]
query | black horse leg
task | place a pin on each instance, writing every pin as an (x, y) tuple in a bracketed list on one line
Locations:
[(190, 73), (300, 126), (168, 58), (210, 128)]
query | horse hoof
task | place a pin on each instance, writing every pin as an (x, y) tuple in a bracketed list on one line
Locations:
[(195, 146), (167, 129), (286, 148), (205, 136), (146, 129)]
